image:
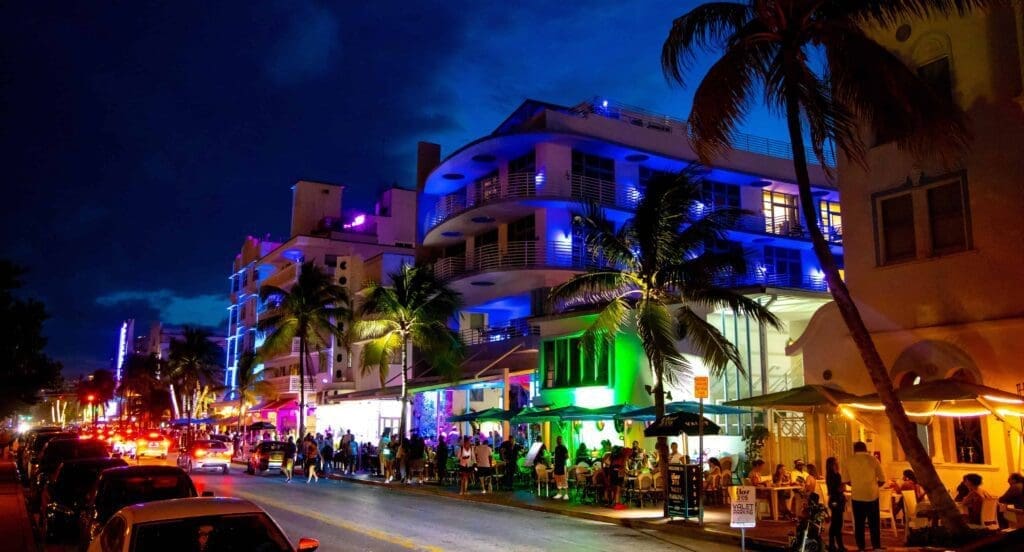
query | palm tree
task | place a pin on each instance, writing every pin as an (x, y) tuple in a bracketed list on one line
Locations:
[(414, 310), (772, 44), (101, 386), (659, 267), (250, 385), (138, 379), (307, 312), (194, 363)]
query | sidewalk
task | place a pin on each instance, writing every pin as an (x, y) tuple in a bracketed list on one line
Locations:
[(15, 526), (770, 536)]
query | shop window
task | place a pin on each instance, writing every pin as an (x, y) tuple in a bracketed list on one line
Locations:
[(567, 365), (968, 438), (897, 236)]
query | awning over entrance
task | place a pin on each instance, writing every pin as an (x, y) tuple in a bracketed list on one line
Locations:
[(276, 405), (950, 398), (806, 398)]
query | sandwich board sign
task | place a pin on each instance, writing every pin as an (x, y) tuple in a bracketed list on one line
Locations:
[(743, 510)]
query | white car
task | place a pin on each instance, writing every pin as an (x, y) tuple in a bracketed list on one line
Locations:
[(222, 524)]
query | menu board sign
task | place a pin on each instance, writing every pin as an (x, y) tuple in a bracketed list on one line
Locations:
[(683, 490)]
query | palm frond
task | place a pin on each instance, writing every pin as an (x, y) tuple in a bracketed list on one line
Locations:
[(604, 327), (703, 28), (377, 352), (718, 298), (372, 328), (279, 339), (657, 333), (591, 288), (888, 13), (716, 351)]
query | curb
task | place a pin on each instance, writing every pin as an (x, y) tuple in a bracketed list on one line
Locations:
[(679, 528)]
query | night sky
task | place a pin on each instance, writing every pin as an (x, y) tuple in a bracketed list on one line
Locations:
[(142, 141)]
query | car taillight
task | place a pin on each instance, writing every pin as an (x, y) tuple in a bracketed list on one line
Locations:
[(200, 453), (154, 435)]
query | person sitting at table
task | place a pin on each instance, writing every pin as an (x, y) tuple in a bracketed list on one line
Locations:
[(757, 477), (1014, 495), (713, 477), (799, 473), (674, 456), (780, 479), (976, 496), (726, 471), (582, 454), (909, 483)]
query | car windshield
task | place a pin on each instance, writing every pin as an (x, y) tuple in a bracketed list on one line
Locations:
[(226, 533), (212, 445), (75, 480), (119, 492), (42, 440), (272, 446)]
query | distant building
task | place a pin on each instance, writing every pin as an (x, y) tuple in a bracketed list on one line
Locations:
[(158, 341), (353, 247)]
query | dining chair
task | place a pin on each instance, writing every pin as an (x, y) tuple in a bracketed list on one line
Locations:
[(989, 519), (885, 509), (644, 487), (543, 478), (910, 520)]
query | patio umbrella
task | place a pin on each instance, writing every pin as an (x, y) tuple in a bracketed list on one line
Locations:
[(671, 425), (806, 398), (948, 398), (491, 414), (261, 426), (692, 407), (604, 413)]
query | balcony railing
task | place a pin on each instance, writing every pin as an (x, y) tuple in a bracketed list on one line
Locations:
[(290, 384), (512, 256), (530, 184), (762, 278), (518, 327), (640, 117)]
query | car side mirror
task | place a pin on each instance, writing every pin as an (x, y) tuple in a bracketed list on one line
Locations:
[(207, 493), (308, 545)]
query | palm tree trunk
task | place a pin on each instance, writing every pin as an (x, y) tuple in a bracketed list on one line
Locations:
[(904, 429), (302, 388), (662, 443), (405, 387)]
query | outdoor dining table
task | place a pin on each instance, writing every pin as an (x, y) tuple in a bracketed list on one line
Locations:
[(774, 497)]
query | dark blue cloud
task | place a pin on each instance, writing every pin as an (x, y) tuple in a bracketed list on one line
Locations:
[(308, 47)]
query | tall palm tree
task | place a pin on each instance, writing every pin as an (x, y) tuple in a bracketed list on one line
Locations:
[(771, 45), (659, 267), (194, 362), (250, 386), (414, 310), (138, 379), (307, 312)]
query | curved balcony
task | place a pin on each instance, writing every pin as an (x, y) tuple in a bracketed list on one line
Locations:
[(529, 185), (515, 255)]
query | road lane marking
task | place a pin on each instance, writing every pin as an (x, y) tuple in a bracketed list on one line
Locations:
[(372, 533)]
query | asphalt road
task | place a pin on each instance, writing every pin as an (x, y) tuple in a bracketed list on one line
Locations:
[(353, 516), (347, 516)]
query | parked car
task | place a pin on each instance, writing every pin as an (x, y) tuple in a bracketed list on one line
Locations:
[(55, 452), (120, 487), (38, 442), (267, 455), (205, 455), (25, 445), (222, 524), (64, 496), (152, 444)]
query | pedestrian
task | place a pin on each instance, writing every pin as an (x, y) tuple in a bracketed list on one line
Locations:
[(465, 464), (561, 477), (353, 455), (864, 474), (509, 457), (327, 455), (289, 459), (836, 504), (484, 467), (309, 464)]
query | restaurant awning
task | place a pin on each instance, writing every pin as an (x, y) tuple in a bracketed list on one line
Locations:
[(553, 415), (950, 398), (489, 415), (277, 405), (806, 398), (603, 413), (680, 406)]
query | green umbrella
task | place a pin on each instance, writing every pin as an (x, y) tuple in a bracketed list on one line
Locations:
[(801, 399), (604, 413), (680, 406)]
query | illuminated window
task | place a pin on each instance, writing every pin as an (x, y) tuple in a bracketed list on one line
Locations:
[(781, 213), (831, 220), (566, 364)]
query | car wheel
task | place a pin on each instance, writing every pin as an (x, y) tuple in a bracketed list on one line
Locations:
[(249, 470), (224, 470)]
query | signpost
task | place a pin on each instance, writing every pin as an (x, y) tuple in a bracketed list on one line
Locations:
[(700, 391), (743, 512)]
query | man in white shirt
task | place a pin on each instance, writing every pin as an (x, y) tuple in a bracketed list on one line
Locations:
[(799, 473), (484, 469), (673, 455), (863, 472)]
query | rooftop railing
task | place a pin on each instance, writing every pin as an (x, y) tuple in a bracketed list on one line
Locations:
[(640, 117)]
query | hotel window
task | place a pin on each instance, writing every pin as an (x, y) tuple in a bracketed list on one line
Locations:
[(947, 218), (831, 219), (523, 164), (524, 229), (781, 213), (567, 365), (937, 75), (783, 266), (899, 241), (648, 174), (717, 194), (593, 166), (487, 188)]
